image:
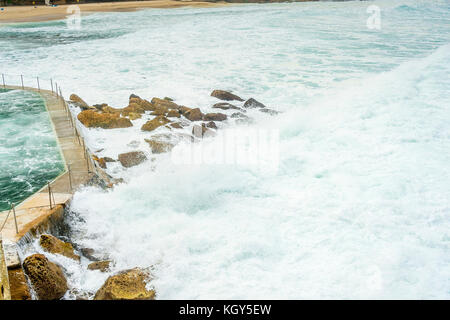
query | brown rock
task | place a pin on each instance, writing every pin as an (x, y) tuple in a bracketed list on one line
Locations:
[(194, 114), (126, 285), (92, 119), (103, 266), (225, 95), (134, 116), (173, 113), (78, 101), (155, 123), (146, 105), (160, 111), (183, 109), (176, 125), (201, 131), (18, 284), (132, 108), (53, 245), (47, 278), (211, 125), (164, 103), (131, 159), (215, 117), (159, 145), (108, 109), (225, 106)]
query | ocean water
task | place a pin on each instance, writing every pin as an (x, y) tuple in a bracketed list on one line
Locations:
[(359, 204), (29, 155)]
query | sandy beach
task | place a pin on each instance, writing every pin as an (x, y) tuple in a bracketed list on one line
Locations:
[(45, 13)]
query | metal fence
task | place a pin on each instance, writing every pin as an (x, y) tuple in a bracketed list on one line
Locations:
[(9, 81)]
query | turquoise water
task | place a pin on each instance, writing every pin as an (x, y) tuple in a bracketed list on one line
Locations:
[(359, 206), (29, 155)]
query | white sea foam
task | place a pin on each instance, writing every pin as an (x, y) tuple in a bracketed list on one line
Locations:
[(359, 206)]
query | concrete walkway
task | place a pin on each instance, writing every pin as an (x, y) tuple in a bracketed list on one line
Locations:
[(73, 154)]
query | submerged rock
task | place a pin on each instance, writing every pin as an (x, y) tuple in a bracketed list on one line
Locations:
[(155, 123), (47, 278), (225, 95), (176, 125), (159, 145), (53, 245), (211, 125), (269, 111), (202, 131), (225, 106), (126, 285), (194, 114), (252, 103), (131, 159), (215, 117), (92, 119), (103, 266)]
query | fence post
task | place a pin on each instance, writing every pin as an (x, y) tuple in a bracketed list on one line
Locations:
[(15, 219), (70, 178), (87, 160), (49, 195), (51, 83), (21, 79), (39, 87), (3, 78), (56, 88)]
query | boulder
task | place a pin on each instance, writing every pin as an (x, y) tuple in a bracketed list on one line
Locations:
[(168, 99), (108, 109), (176, 125), (159, 146), (183, 109), (269, 111), (53, 245), (225, 95), (89, 253), (211, 125), (160, 111), (215, 117), (252, 103), (239, 115), (132, 108), (78, 101), (155, 123), (126, 285), (146, 105), (173, 113), (134, 116), (134, 96), (47, 278), (225, 106), (131, 159), (164, 103), (108, 159), (92, 119), (194, 114), (103, 266)]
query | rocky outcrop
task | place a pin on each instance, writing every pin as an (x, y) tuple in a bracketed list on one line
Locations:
[(131, 159), (78, 101), (174, 113), (215, 117), (53, 245), (225, 95), (47, 278), (102, 266), (202, 131), (193, 114), (146, 105), (164, 103), (134, 116), (176, 125), (155, 123), (92, 119), (132, 108), (126, 285), (252, 103)]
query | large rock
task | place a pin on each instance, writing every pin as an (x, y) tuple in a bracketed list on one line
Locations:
[(126, 285), (155, 123), (78, 101), (225, 95), (109, 109), (202, 131), (215, 117), (173, 113), (142, 102), (92, 119), (225, 106), (164, 103), (252, 103), (159, 145), (132, 108), (53, 245), (194, 114), (47, 278), (131, 159)]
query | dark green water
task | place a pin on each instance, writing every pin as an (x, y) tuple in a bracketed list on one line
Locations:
[(29, 154)]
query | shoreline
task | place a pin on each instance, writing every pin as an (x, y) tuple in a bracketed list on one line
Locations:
[(18, 14)]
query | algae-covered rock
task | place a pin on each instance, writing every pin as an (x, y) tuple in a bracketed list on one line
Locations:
[(173, 113), (225, 95), (155, 123), (18, 284), (132, 108), (92, 119), (47, 278), (215, 117), (126, 285), (53, 245), (131, 159), (78, 101)]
